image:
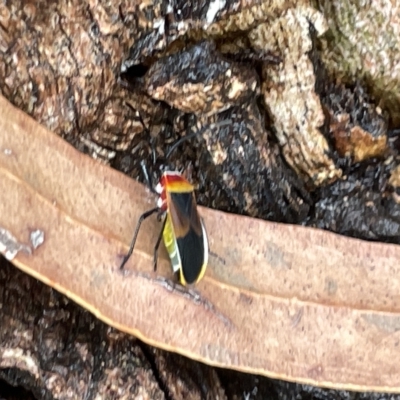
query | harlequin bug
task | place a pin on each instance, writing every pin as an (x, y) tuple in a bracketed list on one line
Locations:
[(183, 230)]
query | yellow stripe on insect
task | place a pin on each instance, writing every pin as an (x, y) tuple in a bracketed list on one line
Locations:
[(171, 245)]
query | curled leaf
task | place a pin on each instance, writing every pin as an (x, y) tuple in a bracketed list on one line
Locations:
[(279, 300)]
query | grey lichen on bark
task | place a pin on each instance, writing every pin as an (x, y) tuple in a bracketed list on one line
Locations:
[(363, 44)]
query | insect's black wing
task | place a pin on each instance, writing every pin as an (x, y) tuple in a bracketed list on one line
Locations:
[(190, 236)]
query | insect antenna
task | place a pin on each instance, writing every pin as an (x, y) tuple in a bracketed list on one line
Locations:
[(192, 135), (147, 177)]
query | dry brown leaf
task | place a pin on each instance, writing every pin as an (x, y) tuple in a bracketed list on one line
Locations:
[(287, 301)]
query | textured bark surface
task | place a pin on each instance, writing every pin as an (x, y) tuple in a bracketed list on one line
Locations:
[(289, 93), (363, 44), (70, 56)]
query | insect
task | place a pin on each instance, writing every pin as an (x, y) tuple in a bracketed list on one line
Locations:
[(183, 230)]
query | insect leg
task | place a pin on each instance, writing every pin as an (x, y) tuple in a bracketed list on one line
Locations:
[(158, 243), (141, 219)]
